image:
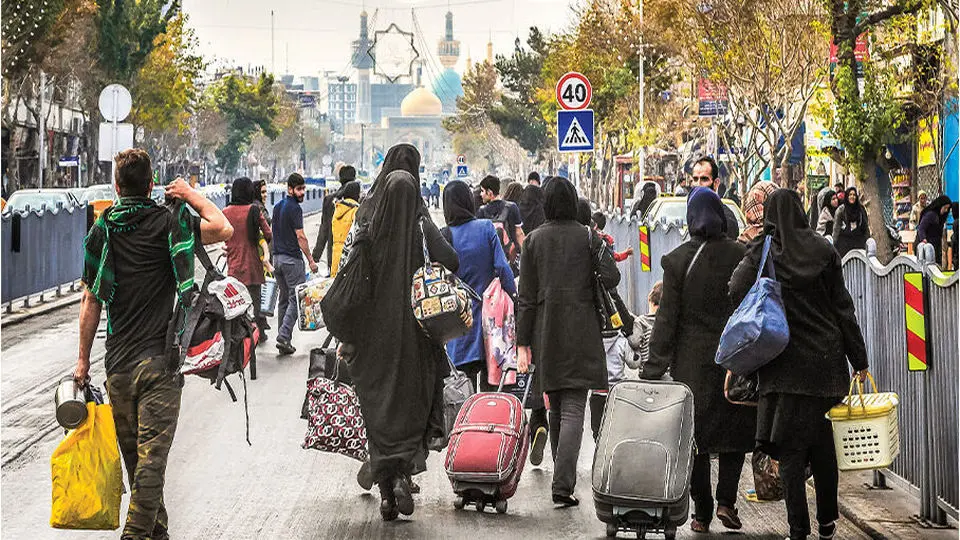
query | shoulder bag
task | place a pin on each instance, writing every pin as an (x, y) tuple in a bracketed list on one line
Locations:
[(442, 303), (334, 421), (610, 320), (757, 332), (349, 300)]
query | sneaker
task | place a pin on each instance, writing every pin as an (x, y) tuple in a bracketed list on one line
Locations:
[(729, 517), (285, 348), (699, 527), (539, 443)]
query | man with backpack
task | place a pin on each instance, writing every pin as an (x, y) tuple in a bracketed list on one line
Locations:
[(290, 247), (138, 257), (505, 216)]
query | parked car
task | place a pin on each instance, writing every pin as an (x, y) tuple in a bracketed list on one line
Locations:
[(100, 197), (674, 210), (35, 199)]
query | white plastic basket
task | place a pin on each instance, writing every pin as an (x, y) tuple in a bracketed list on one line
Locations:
[(866, 430)]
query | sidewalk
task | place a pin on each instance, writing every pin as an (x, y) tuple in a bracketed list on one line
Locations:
[(885, 513)]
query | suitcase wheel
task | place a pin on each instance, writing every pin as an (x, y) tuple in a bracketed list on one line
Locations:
[(501, 506), (459, 503), (612, 530), (641, 532), (481, 506), (670, 533)]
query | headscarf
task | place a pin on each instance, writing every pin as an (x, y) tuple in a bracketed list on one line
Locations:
[(242, 192), (649, 195), (705, 217), (852, 211), (753, 209), (458, 205), (531, 208), (584, 212), (828, 196), (561, 200), (400, 157), (350, 190), (936, 206), (799, 252), (513, 193), (257, 188)]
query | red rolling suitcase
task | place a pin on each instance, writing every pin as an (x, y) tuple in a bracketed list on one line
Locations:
[(488, 448)]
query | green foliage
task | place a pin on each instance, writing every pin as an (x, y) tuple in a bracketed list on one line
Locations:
[(27, 26), (480, 95), (248, 106), (127, 30), (518, 114), (167, 86)]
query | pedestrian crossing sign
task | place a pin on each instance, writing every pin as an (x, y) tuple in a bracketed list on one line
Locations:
[(575, 131), (461, 171)]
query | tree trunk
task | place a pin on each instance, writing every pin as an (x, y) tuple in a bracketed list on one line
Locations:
[(870, 195)]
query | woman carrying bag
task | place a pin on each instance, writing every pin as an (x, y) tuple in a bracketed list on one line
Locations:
[(799, 386), (693, 311)]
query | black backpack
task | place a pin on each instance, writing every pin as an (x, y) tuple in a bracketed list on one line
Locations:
[(195, 326)]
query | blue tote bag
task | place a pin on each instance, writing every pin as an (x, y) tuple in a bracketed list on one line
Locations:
[(757, 332)]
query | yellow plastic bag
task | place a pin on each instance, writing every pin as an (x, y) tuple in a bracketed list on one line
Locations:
[(87, 477)]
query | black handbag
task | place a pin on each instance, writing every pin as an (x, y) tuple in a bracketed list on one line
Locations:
[(742, 390), (609, 316), (349, 301)]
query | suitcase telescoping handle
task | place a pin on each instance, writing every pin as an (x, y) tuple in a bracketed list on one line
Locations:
[(526, 390)]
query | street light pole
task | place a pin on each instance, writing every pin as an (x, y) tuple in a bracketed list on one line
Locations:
[(642, 150)]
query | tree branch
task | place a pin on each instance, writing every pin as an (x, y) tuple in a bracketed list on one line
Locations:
[(895, 10)]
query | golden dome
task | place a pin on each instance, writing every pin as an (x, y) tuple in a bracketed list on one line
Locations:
[(421, 102)]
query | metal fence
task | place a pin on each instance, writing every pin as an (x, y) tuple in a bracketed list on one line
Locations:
[(42, 250), (929, 404)]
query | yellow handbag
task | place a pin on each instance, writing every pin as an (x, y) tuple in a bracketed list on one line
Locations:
[(86, 473), (866, 429)]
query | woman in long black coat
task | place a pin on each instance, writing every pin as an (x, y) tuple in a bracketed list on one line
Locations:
[(557, 324), (850, 226), (933, 219), (811, 375), (693, 311), (397, 369)]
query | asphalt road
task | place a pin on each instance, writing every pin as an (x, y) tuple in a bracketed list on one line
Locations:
[(218, 487)]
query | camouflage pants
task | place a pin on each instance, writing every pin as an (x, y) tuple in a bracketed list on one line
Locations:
[(146, 406)]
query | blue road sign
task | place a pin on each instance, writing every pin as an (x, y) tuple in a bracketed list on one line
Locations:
[(445, 174), (461, 171), (575, 131)]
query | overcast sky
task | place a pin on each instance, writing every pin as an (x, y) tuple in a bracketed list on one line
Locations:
[(317, 33)]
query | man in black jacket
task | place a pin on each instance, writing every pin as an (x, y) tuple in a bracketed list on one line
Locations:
[(706, 173), (325, 237)]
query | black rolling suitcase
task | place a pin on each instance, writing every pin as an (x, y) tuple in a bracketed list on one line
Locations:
[(644, 457)]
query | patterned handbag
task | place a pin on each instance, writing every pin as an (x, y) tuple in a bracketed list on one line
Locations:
[(309, 296), (335, 423), (441, 301)]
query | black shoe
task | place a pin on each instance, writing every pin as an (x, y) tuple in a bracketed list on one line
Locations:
[(565, 501), (365, 476), (264, 337), (388, 503), (401, 492), (285, 348), (539, 443)]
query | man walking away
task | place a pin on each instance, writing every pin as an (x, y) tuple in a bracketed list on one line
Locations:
[(325, 238), (137, 257), (533, 179), (290, 246), (706, 173), (505, 216), (435, 194)]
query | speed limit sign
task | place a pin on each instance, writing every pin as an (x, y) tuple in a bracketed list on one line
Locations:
[(574, 91)]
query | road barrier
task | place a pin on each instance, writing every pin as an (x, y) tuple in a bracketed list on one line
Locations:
[(43, 250), (927, 466)]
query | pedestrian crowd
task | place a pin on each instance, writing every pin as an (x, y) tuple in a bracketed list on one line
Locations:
[(566, 331)]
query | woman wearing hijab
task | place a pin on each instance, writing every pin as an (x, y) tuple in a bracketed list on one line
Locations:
[(693, 312), (343, 214), (514, 192), (531, 208), (398, 370), (753, 209), (557, 324), (830, 203), (850, 227), (649, 195), (481, 261), (243, 259), (930, 229), (584, 212), (811, 375)]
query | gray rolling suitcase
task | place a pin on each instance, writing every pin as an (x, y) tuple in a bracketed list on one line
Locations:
[(644, 457)]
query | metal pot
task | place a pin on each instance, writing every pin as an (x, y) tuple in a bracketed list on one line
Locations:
[(71, 403)]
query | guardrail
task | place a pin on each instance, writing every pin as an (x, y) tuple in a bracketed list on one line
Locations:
[(927, 466), (43, 250)]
